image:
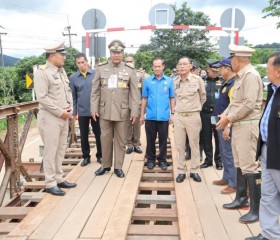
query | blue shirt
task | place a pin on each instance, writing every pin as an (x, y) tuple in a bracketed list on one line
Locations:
[(264, 121), (158, 93), (81, 92)]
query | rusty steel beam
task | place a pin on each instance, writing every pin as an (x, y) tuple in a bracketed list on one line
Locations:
[(4, 184), (17, 108)]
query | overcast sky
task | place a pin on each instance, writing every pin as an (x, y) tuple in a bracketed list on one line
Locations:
[(32, 24)]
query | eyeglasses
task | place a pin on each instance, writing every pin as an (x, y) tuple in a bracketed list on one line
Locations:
[(183, 64)]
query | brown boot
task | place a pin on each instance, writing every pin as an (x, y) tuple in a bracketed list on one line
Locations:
[(228, 190), (220, 182)]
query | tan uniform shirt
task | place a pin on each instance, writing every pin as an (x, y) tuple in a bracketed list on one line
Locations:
[(114, 89), (52, 89), (190, 94), (247, 96)]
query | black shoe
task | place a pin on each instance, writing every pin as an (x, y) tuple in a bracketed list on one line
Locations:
[(150, 165), (162, 165), (206, 165), (99, 160), (259, 237), (219, 166), (86, 161), (55, 191), (119, 173), (129, 150), (100, 171), (66, 184), (195, 177), (188, 156), (180, 178), (138, 149)]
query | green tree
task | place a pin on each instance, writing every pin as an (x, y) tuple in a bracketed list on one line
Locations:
[(273, 10), (172, 44), (7, 85)]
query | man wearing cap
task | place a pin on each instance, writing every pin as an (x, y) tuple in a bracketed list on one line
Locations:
[(243, 113), (190, 95), (229, 174), (81, 84), (53, 93), (114, 89), (212, 86)]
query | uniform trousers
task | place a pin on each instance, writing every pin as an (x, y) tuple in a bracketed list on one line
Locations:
[(133, 133), (229, 174), (84, 131), (154, 128), (54, 132), (270, 199), (190, 125), (208, 130), (244, 147), (113, 138)]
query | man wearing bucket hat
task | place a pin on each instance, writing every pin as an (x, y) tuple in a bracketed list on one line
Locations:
[(243, 113), (53, 93)]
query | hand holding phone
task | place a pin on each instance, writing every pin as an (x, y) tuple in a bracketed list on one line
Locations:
[(214, 120)]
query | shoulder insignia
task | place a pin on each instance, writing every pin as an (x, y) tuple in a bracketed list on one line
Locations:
[(43, 67), (103, 63), (129, 66)]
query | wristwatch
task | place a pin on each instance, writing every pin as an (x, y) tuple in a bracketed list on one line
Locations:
[(229, 125)]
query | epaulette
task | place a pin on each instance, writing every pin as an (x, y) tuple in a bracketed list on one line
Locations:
[(129, 66), (43, 67), (103, 63)]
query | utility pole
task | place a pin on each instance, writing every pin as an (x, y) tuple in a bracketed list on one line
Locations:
[(69, 34), (1, 49)]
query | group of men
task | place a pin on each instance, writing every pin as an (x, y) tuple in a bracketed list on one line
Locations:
[(109, 97)]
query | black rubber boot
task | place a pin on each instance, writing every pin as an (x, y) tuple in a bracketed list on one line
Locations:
[(254, 183), (241, 198)]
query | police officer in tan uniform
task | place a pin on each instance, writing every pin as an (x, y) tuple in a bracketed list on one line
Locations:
[(134, 130), (114, 89), (190, 95), (53, 93), (243, 113)]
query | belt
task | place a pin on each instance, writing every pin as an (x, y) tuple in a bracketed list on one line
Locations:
[(206, 109), (246, 122), (185, 114)]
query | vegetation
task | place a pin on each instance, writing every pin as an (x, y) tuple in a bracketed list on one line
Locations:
[(273, 10)]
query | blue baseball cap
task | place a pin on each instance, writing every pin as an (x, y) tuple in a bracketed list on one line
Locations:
[(224, 62)]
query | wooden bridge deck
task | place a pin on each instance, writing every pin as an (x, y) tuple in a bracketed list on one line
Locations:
[(102, 208)]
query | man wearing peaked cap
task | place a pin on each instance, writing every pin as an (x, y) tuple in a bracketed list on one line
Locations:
[(243, 113), (56, 47), (116, 46), (53, 93), (240, 51), (114, 90), (212, 86)]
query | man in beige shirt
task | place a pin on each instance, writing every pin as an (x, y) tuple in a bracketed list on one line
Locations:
[(53, 93), (243, 113), (190, 95)]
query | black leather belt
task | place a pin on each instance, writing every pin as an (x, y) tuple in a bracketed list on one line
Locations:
[(205, 109)]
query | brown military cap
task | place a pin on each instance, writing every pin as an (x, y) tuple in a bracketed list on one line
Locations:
[(116, 46), (56, 47), (240, 51)]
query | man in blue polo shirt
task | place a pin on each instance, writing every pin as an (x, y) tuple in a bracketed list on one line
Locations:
[(158, 104)]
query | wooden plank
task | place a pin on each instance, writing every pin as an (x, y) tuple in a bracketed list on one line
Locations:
[(154, 230), (27, 226), (155, 199), (188, 217), (152, 238), (33, 196), (72, 161), (157, 176), (6, 227), (118, 226), (157, 169), (56, 218), (154, 214), (34, 185), (14, 212), (170, 186)]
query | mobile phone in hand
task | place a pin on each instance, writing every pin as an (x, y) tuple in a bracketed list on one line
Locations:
[(214, 120)]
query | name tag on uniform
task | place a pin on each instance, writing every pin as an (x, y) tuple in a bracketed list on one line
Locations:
[(113, 81), (122, 84)]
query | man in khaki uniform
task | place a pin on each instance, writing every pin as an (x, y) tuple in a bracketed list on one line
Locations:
[(114, 89), (53, 93), (190, 95), (134, 130), (243, 113)]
